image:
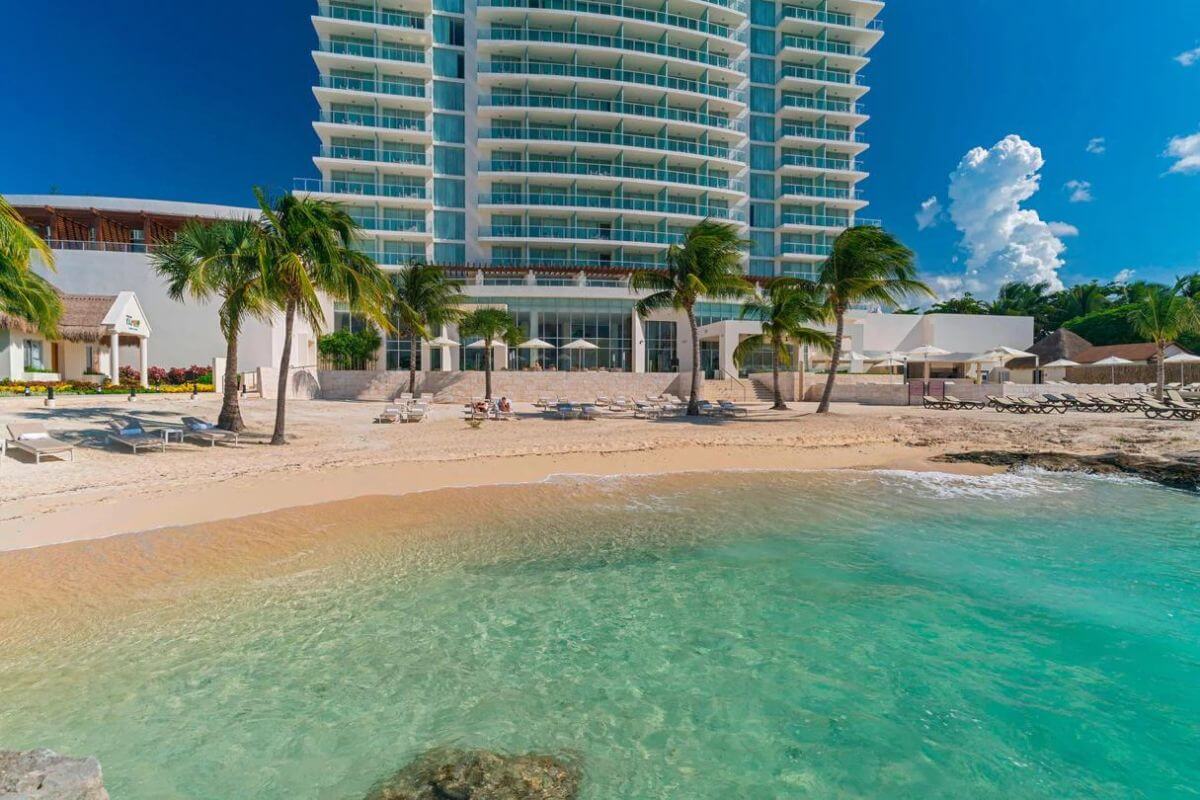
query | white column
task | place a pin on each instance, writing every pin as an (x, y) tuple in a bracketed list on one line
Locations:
[(114, 356), (639, 343), (726, 345), (144, 352)]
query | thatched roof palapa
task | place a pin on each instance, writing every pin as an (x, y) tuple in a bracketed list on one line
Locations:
[(82, 319)]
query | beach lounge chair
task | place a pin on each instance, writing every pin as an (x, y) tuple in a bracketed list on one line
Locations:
[(1179, 400), (547, 401), (957, 404), (1156, 410), (1081, 404), (1106, 405), (731, 409), (390, 414), (708, 409), (673, 400), (33, 438), (416, 413), (406, 396), (620, 403), (202, 431), (132, 434), (932, 402), (645, 410), (603, 401), (589, 411), (1006, 404)]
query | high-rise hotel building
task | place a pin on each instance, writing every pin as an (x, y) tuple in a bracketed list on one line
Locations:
[(566, 142)]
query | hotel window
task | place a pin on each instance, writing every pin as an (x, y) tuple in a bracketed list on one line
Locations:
[(444, 253), (449, 161), (762, 128), (762, 41), (449, 225), (448, 30), (449, 6), (762, 70), (762, 243), (762, 187), (661, 353), (447, 63), (447, 96), (762, 157), (35, 355), (449, 128), (762, 100), (343, 320), (762, 267), (762, 215), (449, 193)]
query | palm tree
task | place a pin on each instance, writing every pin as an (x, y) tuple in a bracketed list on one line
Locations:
[(708, 263), (1161, 316), (224, 259), (309, 252), (784, 309), (423, 299), (493, 325), (867, 265), (25, 295), (967, 304)]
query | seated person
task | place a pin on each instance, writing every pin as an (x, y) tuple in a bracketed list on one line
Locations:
[(505, 405)]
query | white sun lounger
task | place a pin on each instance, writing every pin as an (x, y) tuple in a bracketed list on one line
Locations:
[(133, 435), (33, 438), (206, 432)]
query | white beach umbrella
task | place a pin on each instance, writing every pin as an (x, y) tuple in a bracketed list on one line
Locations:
[(1062, 362), (478, 344), (443, 341), (1011, 352), (1181, 359), (924, 352), (1113, 362), (581, 344), (535, 344)]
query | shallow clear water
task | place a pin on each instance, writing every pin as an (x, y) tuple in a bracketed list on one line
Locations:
[(744, 635)]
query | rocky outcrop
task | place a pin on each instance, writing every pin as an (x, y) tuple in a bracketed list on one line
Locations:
[(449, 774), (45, 775), (1178, 472)]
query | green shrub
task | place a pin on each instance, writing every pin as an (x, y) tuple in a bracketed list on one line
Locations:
[(346, 350), (1110, 326)]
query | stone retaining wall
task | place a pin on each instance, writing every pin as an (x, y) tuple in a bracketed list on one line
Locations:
[(460, 387)]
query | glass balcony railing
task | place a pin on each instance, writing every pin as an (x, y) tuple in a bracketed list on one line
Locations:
[(821, 104), (573, 263), (615, 10), (616, 74), (360, 188), (817, 74), (610, 107), (367, 50), (610, 203), (391, 225), (817, 162), (805, 249), (546, 134), (374, 154), (828, 192), (828, 18), (396, 19), (813, 220), (594, 234), (826, 134), (626, 43), (373, 120), (372, 86), (591, 169), (821, 45)]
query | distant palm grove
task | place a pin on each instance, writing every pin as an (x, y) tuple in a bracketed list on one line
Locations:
[(1102, 313)]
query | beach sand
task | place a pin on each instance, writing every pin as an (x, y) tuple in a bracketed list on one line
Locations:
[(337, 453)]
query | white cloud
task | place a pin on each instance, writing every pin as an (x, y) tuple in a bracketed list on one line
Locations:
[(1005, 242), (1186, 152), (1081, 191), (1124, 276), (1096, 146), (930, 213), (1189, 57), (1062, 229)]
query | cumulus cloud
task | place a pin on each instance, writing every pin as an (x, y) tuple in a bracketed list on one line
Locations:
[(1004, 241), (1081, 191), (1123, 277), (1062, 229), (929, 214), (1189, 57), (1186, 152), (1096, 146)]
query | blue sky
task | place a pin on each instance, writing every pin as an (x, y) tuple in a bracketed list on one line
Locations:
[(202, 102)]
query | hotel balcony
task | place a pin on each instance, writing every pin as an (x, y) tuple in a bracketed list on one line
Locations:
[(805, 223), (808, 251), (851, 20), (392, 195), (629, 206), (830, 195), (545, 42), (332, 89), (807, 77), (394, 162), (843, 111), (404, 129), (400, 229), (609, 174), (333, 54), (357, 18), (840, 55), (795, 163), (607, 108), (548, 234), (722, 24), (852, 142), (616, 77), (616, 141)]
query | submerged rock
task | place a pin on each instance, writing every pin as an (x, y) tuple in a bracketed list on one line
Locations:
[(449, 774), (1179, 472), (45, 775)]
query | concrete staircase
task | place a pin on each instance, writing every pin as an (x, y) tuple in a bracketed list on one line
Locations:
[(742, 390)]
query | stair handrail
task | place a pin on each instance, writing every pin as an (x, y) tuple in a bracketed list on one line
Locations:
[(739, 382)]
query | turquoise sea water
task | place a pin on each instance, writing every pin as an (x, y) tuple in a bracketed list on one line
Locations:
[(824, 635)]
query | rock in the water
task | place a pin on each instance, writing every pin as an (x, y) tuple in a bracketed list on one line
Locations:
[(446, 774), (1179, 472), (45, 775)]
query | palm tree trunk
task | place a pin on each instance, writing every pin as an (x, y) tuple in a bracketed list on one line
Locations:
[(230, 418), (412, 364), (1162, 368), (779, 404), (835, 359), (693, 408), (285, 364), (487, 370)]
